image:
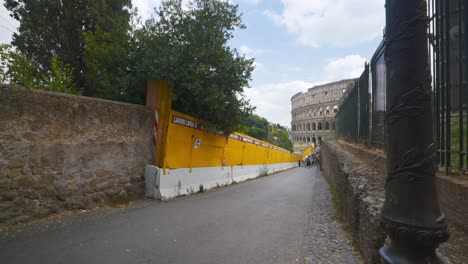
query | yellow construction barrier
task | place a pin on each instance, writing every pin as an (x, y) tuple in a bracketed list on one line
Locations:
[(307, 152), (182, 141), (189, 157), (191, 145)]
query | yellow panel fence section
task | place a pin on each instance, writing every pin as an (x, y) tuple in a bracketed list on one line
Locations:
[(191, 145)]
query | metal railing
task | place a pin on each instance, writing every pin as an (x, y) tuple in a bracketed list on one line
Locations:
[(449, 46), (357, 119), (361, 115)]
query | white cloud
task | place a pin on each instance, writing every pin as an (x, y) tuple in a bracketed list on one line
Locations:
[(259, 67), (350, 66), (251, 2), (273, 100), (7, 25), (336, 22), (252, 52), (145, 7), (294, 69)]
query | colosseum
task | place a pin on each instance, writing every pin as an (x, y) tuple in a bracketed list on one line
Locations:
[(313, 112)]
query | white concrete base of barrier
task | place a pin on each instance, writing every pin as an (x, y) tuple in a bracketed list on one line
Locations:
[(179, 182)]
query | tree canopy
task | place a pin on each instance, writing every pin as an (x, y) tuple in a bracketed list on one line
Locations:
[(260, 128), (280, 137), (56, 28), (188, 46), (111, 57), (17, 69)]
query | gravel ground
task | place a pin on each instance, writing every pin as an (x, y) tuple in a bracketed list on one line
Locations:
[(326, 241), (456, 249)]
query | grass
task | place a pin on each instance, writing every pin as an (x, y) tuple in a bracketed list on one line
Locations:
[(455, 143), (120, 199)]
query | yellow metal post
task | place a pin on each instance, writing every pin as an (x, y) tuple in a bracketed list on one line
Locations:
[(159, 98)]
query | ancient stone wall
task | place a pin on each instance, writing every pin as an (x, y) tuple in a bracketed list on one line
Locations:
[(453, 198), (60, 152), (358, 175), (360, 195)]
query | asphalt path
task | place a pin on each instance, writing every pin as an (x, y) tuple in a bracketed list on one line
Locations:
[(260, 221)]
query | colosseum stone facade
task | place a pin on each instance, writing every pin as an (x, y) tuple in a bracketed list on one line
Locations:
[(313, 112)]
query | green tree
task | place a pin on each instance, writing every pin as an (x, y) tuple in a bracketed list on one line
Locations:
[(59, 78), (3, 63), (280, 137), (189, 48), (107, 55), (18, 69), (257, 126), (50, 27), (260, 128)]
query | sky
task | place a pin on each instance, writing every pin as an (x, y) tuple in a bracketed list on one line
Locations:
[(296, 44)]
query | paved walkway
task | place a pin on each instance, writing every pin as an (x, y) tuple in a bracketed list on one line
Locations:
[(283, 218)]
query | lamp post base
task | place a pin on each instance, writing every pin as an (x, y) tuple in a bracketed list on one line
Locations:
[(392, 255)]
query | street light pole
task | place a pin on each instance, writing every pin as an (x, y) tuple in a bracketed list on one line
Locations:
[(411, 215)]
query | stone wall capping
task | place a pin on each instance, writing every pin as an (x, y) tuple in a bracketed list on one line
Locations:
[(74, 100)]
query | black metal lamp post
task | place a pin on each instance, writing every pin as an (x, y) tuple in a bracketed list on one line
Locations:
[(411, 214)]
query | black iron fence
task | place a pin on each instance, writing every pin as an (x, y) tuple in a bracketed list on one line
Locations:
[(449, 46), (352, 120), (362, 109), (360, 117)]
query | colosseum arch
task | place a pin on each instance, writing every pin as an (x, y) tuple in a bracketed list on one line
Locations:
[(313, 108)]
